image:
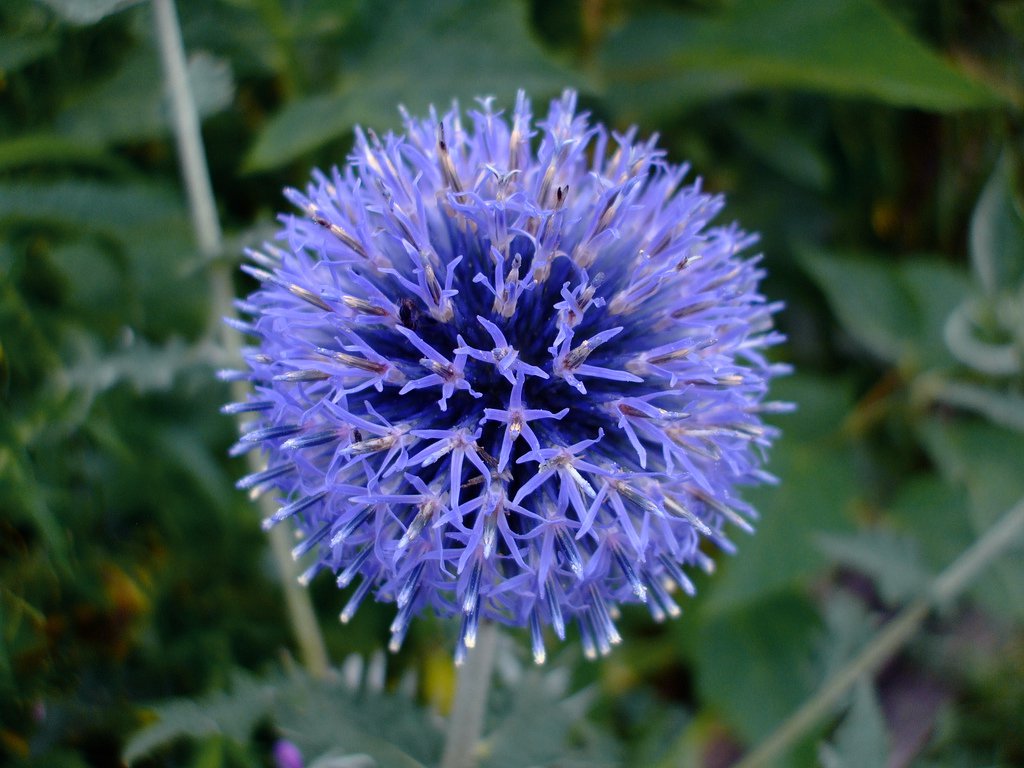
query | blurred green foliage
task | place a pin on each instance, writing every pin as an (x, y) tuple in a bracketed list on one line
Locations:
[(877, 146)]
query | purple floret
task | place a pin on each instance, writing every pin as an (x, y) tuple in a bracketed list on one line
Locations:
[(508, 370)]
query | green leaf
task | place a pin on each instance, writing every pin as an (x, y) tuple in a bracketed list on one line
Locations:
[(936, 288), (934, 512), (211, 82), (452, 49), (211, 754), (176, 719), (131, 105), (870, 300), (538, 705), (861, 740), (21, 495), (36, 148), (10, 625), (233, 714), (320, 716), (781, 145), (94, 285), (181, 445), (897, 310), (88, 11), (18, 52), (114, 209), (892, 561), (146, 368), (756, 664), (1004, 409), (997, 232), (302, 125), (663, 742), (165, 295), (1011, 16), (849, 628), (986, 461), (342, 759), (662, 62), (819, 484)]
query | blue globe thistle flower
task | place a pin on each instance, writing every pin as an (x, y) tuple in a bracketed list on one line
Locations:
[(508, 370)]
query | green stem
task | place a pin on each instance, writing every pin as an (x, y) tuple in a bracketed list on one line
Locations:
[(196, 176), (186, 129), (946, 587), (466, 721)]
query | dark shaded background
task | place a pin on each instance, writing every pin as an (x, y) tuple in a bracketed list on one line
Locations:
[(876, 147)]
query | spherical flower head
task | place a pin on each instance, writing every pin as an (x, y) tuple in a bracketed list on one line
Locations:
[(508, 370)]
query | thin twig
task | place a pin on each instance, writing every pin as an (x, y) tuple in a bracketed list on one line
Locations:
[(196, 176), (890, 638), (466, 721)]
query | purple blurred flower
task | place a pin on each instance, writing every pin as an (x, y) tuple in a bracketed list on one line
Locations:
[(287, 755), (508, 370)]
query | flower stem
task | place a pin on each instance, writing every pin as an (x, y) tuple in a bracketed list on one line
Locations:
[(946, 587), (196, 176), (466, 721), (186, 129)]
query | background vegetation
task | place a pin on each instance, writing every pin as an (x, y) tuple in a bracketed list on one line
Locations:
[(876, 146)]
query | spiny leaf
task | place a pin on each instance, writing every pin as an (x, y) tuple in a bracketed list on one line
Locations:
[(233, 714), (321, 716), (175, 720), (147, 368), (861, 741), (344, 714), (537, 708)]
